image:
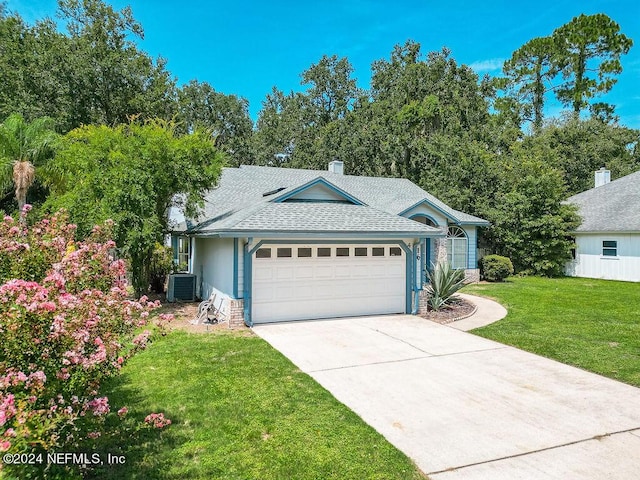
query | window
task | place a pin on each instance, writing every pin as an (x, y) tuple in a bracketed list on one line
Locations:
[(395, 252), (377, 252), (263, 253), (424, 220), (610, 248), (324, 252), (342, 252), (361, 251), (284, 253), (457, 247), (183, 254), (304, 252)]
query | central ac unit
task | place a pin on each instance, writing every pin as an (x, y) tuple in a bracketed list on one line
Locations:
[(182, 286)]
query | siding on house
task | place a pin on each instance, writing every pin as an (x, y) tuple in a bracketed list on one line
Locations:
[(590, 262), (472, 237), (213, 265)]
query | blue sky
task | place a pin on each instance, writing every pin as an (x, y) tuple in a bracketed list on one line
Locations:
[(245, 48)]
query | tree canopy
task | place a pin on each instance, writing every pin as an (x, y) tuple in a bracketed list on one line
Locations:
[(425, 117), (131, 174)]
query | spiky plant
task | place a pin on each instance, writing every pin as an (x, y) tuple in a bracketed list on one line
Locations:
[(444, 282)]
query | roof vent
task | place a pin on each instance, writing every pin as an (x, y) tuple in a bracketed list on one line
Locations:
[(603, 176), (271, 192), (336, 166)]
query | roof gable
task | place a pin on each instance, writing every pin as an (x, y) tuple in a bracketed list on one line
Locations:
[(243, 192), (613, 207), (318, 190)]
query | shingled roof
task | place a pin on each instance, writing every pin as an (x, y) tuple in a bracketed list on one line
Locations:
[(613, 207), (243, 202)]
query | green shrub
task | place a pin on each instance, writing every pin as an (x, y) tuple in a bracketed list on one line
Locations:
[(496, 268), (160, 266), (444, 282)]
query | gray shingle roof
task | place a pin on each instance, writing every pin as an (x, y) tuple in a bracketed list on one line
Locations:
[(239, 204), (612, 207), (327, 217)]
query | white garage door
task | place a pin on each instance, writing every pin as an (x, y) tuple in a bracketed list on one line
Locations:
[(298, 282)]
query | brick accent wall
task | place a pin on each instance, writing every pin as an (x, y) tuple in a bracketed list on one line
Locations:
[(422, 302), (472, 275), (231, 310), (441, 249), (235, 313)]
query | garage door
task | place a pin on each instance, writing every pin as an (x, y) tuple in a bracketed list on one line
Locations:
[(298, 282)]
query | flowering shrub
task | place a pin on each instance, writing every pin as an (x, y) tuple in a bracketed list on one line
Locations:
[(66, 325)]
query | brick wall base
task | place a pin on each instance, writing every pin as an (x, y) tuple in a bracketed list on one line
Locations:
[(235, 313), (422, 302), (472, 275), (231, 310)]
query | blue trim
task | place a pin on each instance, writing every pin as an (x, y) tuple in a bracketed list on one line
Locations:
[(174, 247), (426, 216), (297, 234), (248, 266), (314, 182), (435, 207), (468, 249), (416, 281), (246, 287), (235, 268)]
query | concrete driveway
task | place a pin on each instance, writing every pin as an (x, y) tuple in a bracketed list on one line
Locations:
[(463, 407)]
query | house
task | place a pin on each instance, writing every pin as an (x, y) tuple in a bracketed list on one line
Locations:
[(608, 240), (280, 244)]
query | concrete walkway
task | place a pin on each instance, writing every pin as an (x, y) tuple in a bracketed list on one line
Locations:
[(487, 312), (466, 408)]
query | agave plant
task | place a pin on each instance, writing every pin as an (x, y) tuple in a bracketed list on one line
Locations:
[(444, 282)]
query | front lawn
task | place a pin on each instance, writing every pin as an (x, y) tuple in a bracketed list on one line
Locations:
[(240, 410), (592, 324)]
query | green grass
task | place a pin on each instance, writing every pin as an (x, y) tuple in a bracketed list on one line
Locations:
[(241, 410), (592, 324)]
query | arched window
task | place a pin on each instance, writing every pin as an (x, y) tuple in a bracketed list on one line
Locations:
[(457, 243), (424, 220)]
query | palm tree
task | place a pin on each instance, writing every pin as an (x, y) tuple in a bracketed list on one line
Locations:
[(24, 147)]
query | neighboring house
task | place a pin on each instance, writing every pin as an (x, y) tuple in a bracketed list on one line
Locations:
[(608, 240), (280, 244)]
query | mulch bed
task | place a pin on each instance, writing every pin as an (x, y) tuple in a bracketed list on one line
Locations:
[(456, 311), (184, 312)]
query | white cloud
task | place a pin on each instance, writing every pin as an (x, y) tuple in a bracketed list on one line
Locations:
[(487, 65)]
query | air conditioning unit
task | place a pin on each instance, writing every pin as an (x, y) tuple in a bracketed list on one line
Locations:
[(182, 286)]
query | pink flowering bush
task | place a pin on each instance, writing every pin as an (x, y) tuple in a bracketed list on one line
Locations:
[(66, 325)]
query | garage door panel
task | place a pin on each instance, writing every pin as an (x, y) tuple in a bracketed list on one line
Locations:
[(263, 295), (324, 271), (304, 272), (361, 271), (284, 273), (343, 271), (294, 288), (262, 274)]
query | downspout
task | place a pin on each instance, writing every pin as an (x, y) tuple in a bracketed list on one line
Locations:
[(246, 287), (416, 279)]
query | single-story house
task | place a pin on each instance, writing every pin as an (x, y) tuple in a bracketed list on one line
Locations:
[(608, 239), (281, 244)]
